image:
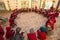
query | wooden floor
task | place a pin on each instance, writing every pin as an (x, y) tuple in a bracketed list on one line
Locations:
[(33, 20)]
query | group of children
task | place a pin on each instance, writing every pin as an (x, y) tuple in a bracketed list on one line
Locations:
[(12, 17), (52, 14), (17, 35), (41, 32)]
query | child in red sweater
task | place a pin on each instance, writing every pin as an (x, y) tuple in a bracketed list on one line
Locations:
[(41, 33), (53, 19), (1, 33), (11, 21), (56, 13), (50, 13), (49, 22), (32, 35), (9, 33)]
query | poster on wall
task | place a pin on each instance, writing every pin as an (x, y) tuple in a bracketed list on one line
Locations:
[(24, 3), (48, 4)]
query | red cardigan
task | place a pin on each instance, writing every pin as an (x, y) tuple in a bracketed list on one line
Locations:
[(1, 33), (32, 36), (9, 34), (11, 21), (14, 14), (53, 19), (50, 23), (41, 35)]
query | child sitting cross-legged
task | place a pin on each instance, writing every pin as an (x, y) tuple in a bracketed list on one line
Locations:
[(18, 35), (32, 35), (42, 33), (9, 33)]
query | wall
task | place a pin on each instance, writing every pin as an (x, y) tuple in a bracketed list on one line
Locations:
[(13, 4)]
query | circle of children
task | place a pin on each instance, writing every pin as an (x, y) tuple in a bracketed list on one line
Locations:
[(11, 34)]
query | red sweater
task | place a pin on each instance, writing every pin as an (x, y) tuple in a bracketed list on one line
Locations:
[(1, 33), (56, 14), (14, 14), (41, 35), (1, 37), (11, 21), (50, 23), (32, 36), (9, 32), (50, 14), (8, 28), (53, 19)]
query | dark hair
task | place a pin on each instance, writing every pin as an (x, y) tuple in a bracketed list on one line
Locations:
[(18, 29)]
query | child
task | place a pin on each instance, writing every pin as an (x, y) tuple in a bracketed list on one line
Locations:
[(19, 36), (32, 35), (50, 13), (11, 21), (36, 10), (44, 12), (9, 33), (14, 14), (49, 22), (41, 33), (12, 32), (11, 16), (27, 9), (8, 28), (33, 9), (1, 33), (53, 19), (56, 13)]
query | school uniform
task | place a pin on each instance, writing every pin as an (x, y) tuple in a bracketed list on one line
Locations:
[(49, 22), (31, 36), (53, 19), (41, 35), (9, 33), (1, 33), (8, 28), (11, 21)]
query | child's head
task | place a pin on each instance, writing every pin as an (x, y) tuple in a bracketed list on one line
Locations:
[(18, 29), (31, 30), (42, 28)]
